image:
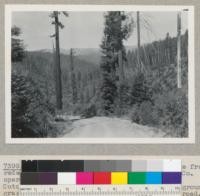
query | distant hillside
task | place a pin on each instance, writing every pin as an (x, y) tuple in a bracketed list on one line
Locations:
[(45, 57), (92, 55), (89, 55)]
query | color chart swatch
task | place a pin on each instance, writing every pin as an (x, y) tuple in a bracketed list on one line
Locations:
[(103, 172)]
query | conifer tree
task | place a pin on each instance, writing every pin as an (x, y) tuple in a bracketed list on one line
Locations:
[(117, 28), (140, 91), (58, 80), (17, 52)]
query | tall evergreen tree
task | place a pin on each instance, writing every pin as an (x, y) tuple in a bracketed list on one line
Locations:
[(58, 80), (17, 52), (117, 28)]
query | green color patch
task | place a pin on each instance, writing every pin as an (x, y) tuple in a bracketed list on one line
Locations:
[(137, 178)]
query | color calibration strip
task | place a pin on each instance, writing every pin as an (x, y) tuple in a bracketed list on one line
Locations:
[(104, 172)]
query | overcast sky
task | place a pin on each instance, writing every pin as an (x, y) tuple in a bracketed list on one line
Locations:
[(85, 29)]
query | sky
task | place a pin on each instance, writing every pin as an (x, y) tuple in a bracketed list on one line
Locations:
[(85, 29)]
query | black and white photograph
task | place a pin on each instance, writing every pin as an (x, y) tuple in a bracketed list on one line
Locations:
[(99, 74)]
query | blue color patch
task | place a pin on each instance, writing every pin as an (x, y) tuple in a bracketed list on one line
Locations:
[(154, 178)]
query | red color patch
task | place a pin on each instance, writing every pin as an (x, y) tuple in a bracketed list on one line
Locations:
[(102, 178)]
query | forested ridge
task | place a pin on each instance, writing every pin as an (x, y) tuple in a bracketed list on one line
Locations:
[(145, 93)]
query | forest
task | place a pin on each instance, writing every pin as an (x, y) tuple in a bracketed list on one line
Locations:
[(52, 89)]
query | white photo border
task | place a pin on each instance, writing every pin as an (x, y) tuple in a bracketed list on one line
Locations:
[(9, 8)]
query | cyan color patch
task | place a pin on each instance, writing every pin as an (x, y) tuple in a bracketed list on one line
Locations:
[(154, 178)]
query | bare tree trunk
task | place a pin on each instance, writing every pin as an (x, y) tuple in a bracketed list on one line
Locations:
[(138, 39), (58, 68), (179, 85), (121, 68), (54, 67), (72, 76)]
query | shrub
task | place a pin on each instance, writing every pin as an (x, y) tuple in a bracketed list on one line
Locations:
[(122, 103), (172, 110), (134, 113), (148, 115), (89, 112), (144, 114), (169, 111), (31, 113), (140, 91)]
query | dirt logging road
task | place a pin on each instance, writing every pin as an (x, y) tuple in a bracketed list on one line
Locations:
[(111, 127)]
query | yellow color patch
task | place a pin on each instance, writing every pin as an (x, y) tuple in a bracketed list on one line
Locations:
[(119, 178)]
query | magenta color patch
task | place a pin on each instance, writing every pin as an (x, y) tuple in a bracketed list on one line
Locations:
[(84, 178)]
